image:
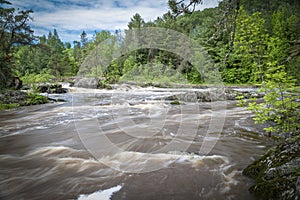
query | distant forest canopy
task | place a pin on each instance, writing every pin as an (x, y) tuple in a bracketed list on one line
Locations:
[(244, 39)]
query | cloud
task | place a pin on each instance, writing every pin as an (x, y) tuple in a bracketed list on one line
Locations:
[(71, 17)]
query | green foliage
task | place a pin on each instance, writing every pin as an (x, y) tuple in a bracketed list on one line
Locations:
[(104, 85), (193, 76), (175, 103), (5, 106), (240, 45), (249, 50), (113, 73), (293, 69), (35, 99), (280, 109), (14, 30), (155, 72), (129, 64), (136, 22), (43, 77), (181, 6)]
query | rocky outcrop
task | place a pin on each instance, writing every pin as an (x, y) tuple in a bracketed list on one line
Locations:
[(16, 98), (208, 95), (87, 82), (91, 83), (13, 96), (277, 173), (51, 88)]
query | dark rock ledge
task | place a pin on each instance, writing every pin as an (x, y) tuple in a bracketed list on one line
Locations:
[(277, 173)]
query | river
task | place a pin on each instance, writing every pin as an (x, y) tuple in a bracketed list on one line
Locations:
[(128, 143)]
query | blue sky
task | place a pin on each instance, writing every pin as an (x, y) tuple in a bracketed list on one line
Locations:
[(71, 17)]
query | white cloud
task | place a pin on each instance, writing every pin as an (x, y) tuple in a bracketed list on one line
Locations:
[(71, 16)]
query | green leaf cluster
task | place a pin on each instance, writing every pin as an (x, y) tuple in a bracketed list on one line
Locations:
[(280, 110), (35, 99)]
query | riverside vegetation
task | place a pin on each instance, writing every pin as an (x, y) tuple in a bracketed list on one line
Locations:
[(251, 42)]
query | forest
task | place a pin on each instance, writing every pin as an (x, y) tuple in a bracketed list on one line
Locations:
[(245, 40)]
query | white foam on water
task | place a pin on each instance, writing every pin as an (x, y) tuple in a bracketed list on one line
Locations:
[(102, 194), (145, 162)]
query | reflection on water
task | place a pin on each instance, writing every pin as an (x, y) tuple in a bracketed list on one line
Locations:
[(155, 152)]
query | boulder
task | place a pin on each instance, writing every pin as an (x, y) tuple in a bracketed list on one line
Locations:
[(52, 88), (14, 82), (277, 172), (87, 82)]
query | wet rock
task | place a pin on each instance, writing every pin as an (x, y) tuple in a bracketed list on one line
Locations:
[(13, 96), (56, 100), (298, 186), (43, 89), (277, 172), (60, 90), (52, 88), (214, 94), (92, 83)]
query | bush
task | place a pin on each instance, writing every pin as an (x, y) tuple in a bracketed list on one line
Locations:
[(280, 108), (32, 79), (6, 106), (34, 99)]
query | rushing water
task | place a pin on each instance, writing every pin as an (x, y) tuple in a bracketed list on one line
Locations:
[(128, 143)]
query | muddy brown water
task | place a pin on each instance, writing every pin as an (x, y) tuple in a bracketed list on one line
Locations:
[(129, 139)]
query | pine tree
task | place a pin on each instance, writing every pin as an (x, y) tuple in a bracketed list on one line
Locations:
[(14, 30)]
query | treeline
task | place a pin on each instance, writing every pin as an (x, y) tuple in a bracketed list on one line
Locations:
[(245, 39), (52, 56)]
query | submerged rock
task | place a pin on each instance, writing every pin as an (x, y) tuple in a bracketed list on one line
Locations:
[(277, 173)]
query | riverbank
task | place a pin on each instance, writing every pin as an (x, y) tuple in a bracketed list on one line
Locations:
[(277, 173), (11, 98), (15, 98)]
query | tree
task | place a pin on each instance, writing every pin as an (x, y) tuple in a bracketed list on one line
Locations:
[(227, 23), (182, 6), (14, 30), (83, 38), (247, 59), (280, 109), (55, 63)]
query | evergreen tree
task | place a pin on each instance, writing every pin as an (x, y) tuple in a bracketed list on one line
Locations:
[(14, 30)]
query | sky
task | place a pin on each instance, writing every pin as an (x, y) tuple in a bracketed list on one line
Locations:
[(71, 17)]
